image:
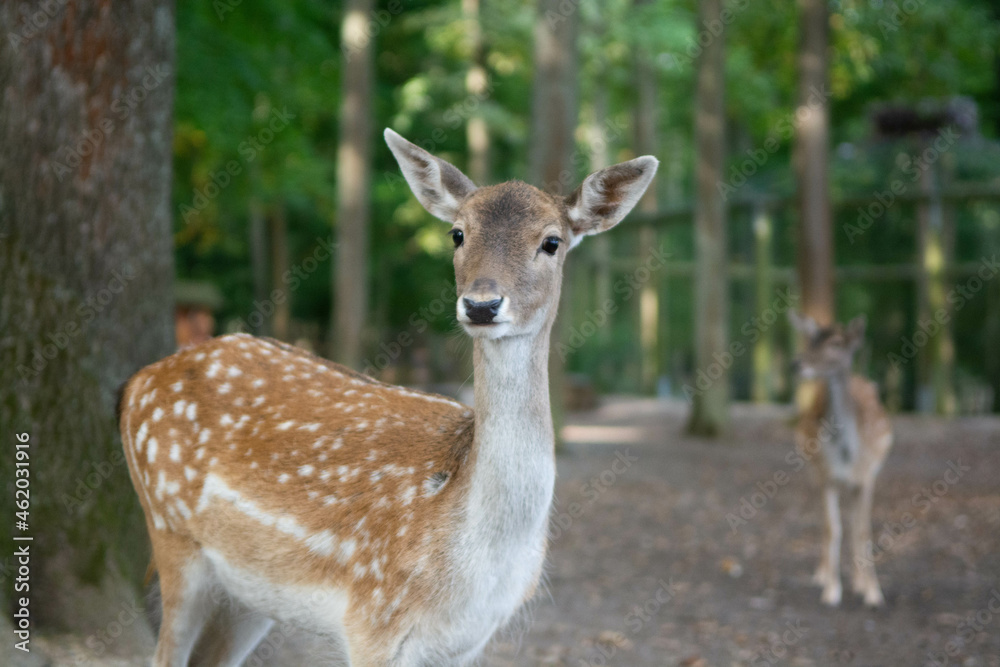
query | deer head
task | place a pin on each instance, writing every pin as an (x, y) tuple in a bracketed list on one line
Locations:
[(511, 239), (828, 350)]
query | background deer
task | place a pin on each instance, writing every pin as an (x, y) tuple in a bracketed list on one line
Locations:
[(399, 522), (844, 429)]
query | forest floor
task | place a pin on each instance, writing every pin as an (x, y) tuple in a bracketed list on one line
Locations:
[(649, 566)]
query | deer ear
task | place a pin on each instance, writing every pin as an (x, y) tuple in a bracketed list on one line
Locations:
[(803, 323), (606, 196), (856, 331), (438, 186)]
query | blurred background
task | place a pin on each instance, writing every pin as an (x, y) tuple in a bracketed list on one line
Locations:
[(170, 172)]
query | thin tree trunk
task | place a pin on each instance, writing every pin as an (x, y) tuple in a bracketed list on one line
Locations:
[(86, 265), (647, 143), (353, 176), (279, 265), (600, 245), (258, 262), (476, 131), (812, 148), (553, 120), (554, 98), (763, 357), (710, 406), (935, 391)]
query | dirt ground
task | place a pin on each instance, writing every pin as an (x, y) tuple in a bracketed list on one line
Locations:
[(651, 572), (672, 551)]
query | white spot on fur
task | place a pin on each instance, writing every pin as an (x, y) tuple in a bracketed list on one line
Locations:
[(192, 411), (177, 386), (151, 455), (157, 414), (214, 368), (140, 437), (234, 372), (175, 453), (284, 426), (306, 470), (226, 420)]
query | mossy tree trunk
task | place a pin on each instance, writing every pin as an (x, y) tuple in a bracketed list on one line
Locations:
[(86, 274)]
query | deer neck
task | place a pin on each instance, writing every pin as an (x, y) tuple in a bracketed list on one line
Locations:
[(514, 462), (844, 444)]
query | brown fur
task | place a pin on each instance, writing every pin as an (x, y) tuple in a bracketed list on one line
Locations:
[(324, 429)]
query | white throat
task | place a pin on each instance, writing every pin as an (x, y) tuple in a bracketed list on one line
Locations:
[(514, 467)]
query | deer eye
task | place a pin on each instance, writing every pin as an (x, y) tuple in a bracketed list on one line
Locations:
[(457, 236), (551, 244)]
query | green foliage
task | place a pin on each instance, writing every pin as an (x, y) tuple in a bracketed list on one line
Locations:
[(240, 65)]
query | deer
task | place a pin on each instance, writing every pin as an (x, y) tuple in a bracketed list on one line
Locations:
[(844, 429), (405, 526)]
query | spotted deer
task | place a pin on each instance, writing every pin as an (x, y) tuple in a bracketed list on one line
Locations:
[(404, 525), (844, 429)]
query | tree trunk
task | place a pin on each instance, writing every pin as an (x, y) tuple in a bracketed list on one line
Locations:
[(935, 364), (86, 266), (553, 120), (554, 98), (812, 148), (279, 266), (763, 357), (477, 133), (647, 143), (258, 262), (353, 176), (710, 406)]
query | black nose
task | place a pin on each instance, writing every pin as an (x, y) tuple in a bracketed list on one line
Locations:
[(482, 312)]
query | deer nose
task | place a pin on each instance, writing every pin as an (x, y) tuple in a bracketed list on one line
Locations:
[(482, 312)]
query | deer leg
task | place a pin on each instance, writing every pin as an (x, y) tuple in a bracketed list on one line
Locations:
[(856, 535), (822, 574), (831, 585), (184, 579), (866, 581)]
